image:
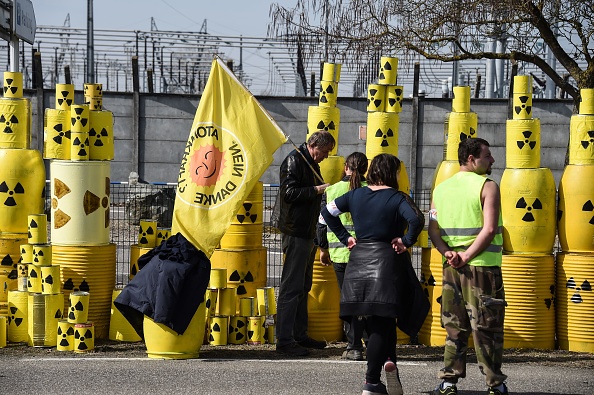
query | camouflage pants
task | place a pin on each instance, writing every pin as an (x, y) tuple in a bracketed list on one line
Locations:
[(473, 301)]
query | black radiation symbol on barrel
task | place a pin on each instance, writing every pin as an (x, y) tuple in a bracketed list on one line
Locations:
[(92, 202), (64, 98), (8, 261), (32, 225), (10, 200), (64, 336), (234, 331), (526, 142), (14, 317), (430, 282), (60, 133), (37, 255), (145, 232), (523, 106), (397, 100), (577, 297), (32, 274), (372, 98), (384, 136), (587, 143), (49, 280), (328, 91), (78, 118), (528, 216), (82, 338), (386, 66), (77, 307), (98, 136), (84, 286), (464, 136), (60, 190), (9, 122), (83, 144), (9, 87), (215, 328), (589, 207), (322, 126), (242, 217), (236, 277)]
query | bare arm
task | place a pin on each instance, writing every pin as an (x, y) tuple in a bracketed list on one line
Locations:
[(438, 243)]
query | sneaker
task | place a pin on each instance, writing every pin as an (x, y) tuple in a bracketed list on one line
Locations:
[(451, 390), (392, 378), (370, 389), (292, 350), (308, 342), (353, 355), (495, 391)]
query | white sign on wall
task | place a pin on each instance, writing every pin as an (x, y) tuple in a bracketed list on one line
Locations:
[(24, 20)]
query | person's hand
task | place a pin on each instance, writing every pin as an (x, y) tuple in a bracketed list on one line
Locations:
[(325, 257), (351, 243), (453, 259), (398, 245), (321, 188)]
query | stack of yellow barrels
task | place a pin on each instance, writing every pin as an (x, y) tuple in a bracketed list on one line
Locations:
[(460, 124), (22, 189), (574, 299), (528, 210), (76, 333), (79, 144), (323, 302)]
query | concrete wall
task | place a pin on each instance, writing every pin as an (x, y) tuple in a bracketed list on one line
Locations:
[(152, 143)]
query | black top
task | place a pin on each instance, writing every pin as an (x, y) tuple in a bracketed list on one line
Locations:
[(379, 215)]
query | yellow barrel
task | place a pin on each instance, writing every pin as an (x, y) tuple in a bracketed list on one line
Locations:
[(528, 210), (79, 146), (3, 328), (64, 96), (431, 333), (575, 210), (382, 134), (18, 316), (323, 304), (6, 284), (164, 343), (95, 103), (210, 299), (147, 233), (226, 304), (403, 181), (15, 123), (522, 147), (581, 140), (388, 72), (22, 184), (324, 118), (331, 72), (529, 282), (218, 277), (574, 302), (13, 84), (255, 330), (56, 134), (42, 254), (162, 235), (101, 140), (45, 311), (376, 98), (37, 229), (218, 330), (248, 306), (587, 101), (461, 100), (461, 126), (328, 94), (394, 97), (522, 97), (34, 278), (84, 337), (245, 231), (245, 269), (136, 252), (26, 253), (89, 269), (79, 118), (119, 327), (237, 330), (92, 90), (80, 193), (9, 265), (401, 337), (50, 280), (78, 312), (23, 276), (445, 170), (65, 337), (270, 334), (332, 169), (266, 301)]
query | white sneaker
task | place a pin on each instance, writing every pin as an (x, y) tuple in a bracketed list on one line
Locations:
[(392, 379)]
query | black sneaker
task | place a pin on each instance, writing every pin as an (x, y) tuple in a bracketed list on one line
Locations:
[(370, 389), (311, 343), (451, 390), (353, 355), (292, 350), (495, 391)]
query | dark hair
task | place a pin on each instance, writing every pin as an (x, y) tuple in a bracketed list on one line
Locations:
[(383, 170), (469, 147), (357, 163), (321, 139)]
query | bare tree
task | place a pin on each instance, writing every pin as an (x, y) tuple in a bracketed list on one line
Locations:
[(450, 30)]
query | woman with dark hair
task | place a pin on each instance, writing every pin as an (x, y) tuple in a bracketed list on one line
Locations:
[(380, 283), (333, 252)]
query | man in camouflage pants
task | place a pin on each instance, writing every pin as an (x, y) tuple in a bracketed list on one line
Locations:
[(466, 228)]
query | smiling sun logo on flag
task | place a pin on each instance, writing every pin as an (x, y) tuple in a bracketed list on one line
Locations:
[(207, 165)]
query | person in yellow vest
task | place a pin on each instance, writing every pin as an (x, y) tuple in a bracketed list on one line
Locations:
[(466, 228), (333, 252)]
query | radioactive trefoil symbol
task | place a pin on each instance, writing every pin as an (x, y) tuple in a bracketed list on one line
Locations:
[(531, 143), (585, 286), (587, 143), (9, 122), (387, 66), (523, 106), (328, 91), (589, 206), (372, 99), (389, 133), (528, 216), (18, 189), (322, 125)]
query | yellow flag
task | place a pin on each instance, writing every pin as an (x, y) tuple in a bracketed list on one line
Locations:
[(230, 145)]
